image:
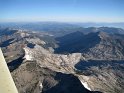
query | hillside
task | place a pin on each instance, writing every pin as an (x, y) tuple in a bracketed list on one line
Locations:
[(73, 63)]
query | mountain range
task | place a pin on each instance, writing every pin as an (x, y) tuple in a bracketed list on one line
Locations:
[(89, 60)]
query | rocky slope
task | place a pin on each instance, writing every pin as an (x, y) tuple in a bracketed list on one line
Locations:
[(75, 63), (93, 46), (110, 47)]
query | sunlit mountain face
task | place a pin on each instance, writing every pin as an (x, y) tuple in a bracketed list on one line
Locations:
[(64, 58), (64, 46)]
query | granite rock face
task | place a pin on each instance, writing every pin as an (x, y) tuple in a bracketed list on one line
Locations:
[(74, 63)]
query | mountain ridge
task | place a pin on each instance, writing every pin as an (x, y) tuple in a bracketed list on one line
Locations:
[(37, 68)]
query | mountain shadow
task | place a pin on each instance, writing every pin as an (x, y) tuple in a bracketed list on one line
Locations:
[(82, 65), (76, 42), (6, 43), (67, 83), (15, 63)]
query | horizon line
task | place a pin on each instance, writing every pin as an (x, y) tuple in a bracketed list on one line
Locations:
[(56, 22)]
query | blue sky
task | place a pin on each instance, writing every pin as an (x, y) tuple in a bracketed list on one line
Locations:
[(62, 10)]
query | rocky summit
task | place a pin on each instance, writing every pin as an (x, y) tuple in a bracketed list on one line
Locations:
[(87, 61)]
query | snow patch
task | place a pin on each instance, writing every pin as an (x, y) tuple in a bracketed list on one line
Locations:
[(85, 85), (41, 86), (28, 54)]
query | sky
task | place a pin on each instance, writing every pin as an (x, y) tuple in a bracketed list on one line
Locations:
[(62, 10)]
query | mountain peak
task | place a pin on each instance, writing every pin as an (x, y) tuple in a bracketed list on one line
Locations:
[(103, 35)]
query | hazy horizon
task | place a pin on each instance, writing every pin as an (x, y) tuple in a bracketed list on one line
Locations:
[(96, 11)]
